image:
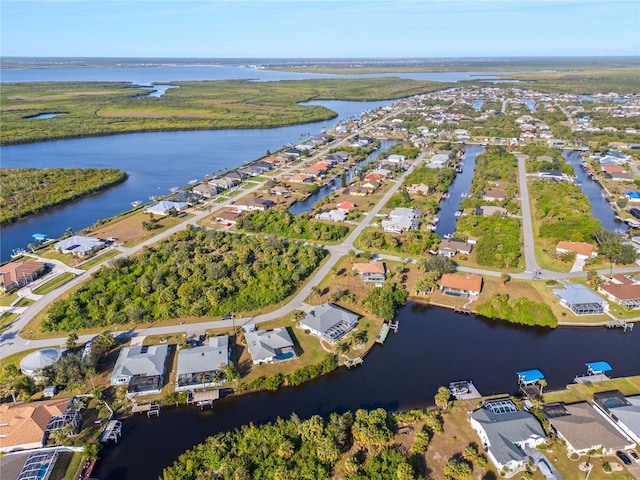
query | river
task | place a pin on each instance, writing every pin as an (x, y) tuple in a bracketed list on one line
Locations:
[(600, 207), (433, 347), (155, 162), (449, 206)]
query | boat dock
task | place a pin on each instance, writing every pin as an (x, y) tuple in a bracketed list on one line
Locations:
[(464, 390), (382, 336), (112, 431), (618, 322), (204, 398), (353, 362), (595, 373), (149, 408)]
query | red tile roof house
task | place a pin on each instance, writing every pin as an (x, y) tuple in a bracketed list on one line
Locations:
[(622, 290), (468, 285), (321, 167), (346, 206), (228, 217), (581, 249), (15, 275)]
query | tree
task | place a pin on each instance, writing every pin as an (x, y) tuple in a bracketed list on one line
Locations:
[(457, 469), (71, 341), (427, 284), (442, 398), (9, 381), (505, 277), (593, 278)]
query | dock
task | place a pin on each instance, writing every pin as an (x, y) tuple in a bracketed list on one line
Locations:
[(464, 390), (382, 336), (619, 323), (595, 373), (204, 398), (462, 310), (353, 362), (112, 431)]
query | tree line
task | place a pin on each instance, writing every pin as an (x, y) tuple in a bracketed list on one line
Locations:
[(193, 273), (25, 191), (273, 222)]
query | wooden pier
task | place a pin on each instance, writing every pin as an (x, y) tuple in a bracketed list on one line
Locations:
[(112, 431), (382, 336), (462, 310), (394, 326), (353, 362)]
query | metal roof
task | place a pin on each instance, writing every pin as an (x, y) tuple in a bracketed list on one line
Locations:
[(530, 376), (598, 367)]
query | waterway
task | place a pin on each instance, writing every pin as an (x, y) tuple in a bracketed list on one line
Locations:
[(155, 162), (433, 346), (449, 206), (307, 204), (600, 207)]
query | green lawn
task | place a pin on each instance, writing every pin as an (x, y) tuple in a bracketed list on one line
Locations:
[(6, 319), (24, 302), (98, 259), (54, 283), (8, 300)]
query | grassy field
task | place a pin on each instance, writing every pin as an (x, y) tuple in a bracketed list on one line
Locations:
[(54, 283), (93, 108), (6, 319), (7, 300), (98, 259)]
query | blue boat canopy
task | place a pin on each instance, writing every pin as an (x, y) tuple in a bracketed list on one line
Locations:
[(39, 236), (598, 367), (530, 376)]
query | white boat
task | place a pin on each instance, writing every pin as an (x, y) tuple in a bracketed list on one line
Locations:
[(193, 181), (464, 195), (137, 203), (174, 189), (458, 213)]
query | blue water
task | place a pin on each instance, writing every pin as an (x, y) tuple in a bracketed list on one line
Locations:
[(154, 161), (531, 105), (477, 105), (307, 204), (449, 206), (44, 116)]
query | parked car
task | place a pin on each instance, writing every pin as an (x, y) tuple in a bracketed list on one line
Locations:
[(623, 456), (634, 455)]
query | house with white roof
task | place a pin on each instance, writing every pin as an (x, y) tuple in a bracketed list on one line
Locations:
[(504, 431), (329, 322), (401, 219), (140, 367), (268, 346), (166, 207), (79, 245), (200, 367), (332, 216)]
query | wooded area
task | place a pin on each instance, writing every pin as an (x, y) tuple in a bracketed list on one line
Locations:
[(24, 191), (194, 273)]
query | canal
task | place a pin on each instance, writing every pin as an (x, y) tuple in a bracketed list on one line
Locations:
[(433, 347), (450, 205), (306, 205), (600, 207)]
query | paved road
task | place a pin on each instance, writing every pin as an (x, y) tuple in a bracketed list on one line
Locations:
[(531, 265)]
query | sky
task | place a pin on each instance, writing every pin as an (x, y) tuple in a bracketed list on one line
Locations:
[(319, 28)]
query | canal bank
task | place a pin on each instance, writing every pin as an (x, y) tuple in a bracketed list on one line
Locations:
[(403, 374)]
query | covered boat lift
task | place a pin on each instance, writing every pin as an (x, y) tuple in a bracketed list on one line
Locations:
[(596, 372), (531, 382)]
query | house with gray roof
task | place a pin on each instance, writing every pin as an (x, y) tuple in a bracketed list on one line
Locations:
[(165, 207), (329, 322), (79, 245), (140, 367), (505, 430), (584, 429), (206, 190), (623, 411), (200, 367), (267, 346), (580, 299)]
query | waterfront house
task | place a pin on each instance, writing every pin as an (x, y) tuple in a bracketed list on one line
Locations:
[(23, 426), (494, 195), (79, 245), (339, 157), (418, 188), (268, 346), (332, 216), (311, 172), (346, 206), (582, 250), (584, 429), (371, 271), (370, 185), (224, 183), (279, 191), (15, 275), (165, 207), (449, 248), (200, 367), (301, 178), (468, 285), (504, 431), (141, 368), (624, 411), (237, 175), (395, 158), (580, 299), (321, 167), (376, 177), (401, 219), (205, 189), (292, 152), (329, 322), (623, 290)]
